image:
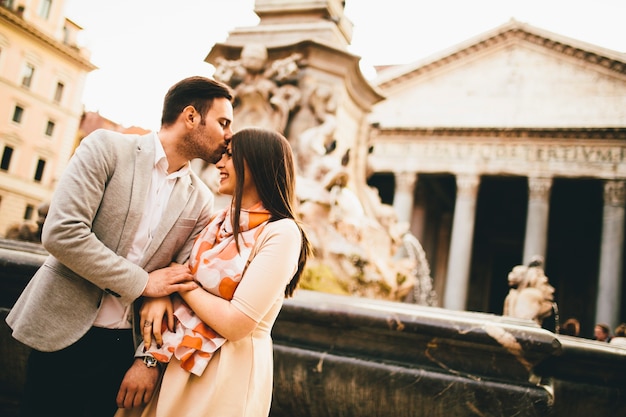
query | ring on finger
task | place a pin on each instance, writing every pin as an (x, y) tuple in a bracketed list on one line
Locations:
[(147, 324)]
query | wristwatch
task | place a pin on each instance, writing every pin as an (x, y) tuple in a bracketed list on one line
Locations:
[(150, 361)]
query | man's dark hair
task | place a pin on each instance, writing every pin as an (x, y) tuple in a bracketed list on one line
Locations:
[(196, 91)]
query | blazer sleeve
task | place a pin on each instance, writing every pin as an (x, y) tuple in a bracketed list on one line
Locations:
[(67, 232)]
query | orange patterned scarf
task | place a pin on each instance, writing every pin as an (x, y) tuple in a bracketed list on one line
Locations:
[(218, 269)]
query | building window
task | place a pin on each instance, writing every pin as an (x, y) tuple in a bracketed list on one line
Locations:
[(41, 164), (27, 75), (18, 112), (50, 128), (28, 213), (58, 93), (6, 158), (44, 8)]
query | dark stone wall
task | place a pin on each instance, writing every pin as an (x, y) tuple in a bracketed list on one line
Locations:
[(18, 262), (354, 357), (346, 356)]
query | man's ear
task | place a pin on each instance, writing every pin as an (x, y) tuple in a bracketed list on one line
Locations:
[(191, 116)]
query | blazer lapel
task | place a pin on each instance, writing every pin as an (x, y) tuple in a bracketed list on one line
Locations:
[(175, 206), (142, 176)]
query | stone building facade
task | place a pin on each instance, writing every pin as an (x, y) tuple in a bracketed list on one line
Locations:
[(510, 145), (43, 73)]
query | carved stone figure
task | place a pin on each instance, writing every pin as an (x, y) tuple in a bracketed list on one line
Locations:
[(316, 142), (264, 92), (531, 296)]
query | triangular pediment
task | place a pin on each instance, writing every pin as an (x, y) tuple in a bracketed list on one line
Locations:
[(514, 76)]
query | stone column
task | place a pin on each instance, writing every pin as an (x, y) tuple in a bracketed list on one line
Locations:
[(403, 195), (535, 242), (608, 300), (459, 260)]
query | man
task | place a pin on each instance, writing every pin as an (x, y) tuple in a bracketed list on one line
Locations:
[(602, 332), (125, 208)]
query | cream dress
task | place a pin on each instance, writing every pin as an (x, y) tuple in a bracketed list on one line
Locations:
[(238, 379)]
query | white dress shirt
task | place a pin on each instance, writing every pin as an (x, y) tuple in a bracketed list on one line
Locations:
[(112, 313)]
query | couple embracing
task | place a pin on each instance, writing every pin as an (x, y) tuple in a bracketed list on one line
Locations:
[(134, 245)]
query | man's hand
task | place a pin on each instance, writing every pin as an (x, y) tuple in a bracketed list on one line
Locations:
[(171, 279), (138, 385)]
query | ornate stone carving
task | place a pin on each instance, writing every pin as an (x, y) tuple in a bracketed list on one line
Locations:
[(357, 251), (315, 144), (265, 92)]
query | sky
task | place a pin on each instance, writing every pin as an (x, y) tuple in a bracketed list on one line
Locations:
[(142, 47)]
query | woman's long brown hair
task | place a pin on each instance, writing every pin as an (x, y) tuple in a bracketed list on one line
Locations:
[(270, 162)]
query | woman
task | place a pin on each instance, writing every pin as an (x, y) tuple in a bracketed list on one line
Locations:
[(619, 338), (259, 251)]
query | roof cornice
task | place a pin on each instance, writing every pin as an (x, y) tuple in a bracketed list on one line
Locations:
[(70, 52), (530, 133)]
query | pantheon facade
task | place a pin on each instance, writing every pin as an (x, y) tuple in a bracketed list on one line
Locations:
[(508, 146)]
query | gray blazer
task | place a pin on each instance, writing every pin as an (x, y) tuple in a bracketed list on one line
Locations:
[(94, 215)]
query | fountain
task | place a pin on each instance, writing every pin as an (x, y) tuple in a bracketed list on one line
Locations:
[(360, 248)]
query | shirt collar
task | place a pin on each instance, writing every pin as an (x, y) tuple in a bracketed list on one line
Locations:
[(160, 160)]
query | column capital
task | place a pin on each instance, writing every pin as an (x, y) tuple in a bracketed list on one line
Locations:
[(539, 188), (405, 180), (614, 192), (467, 185)]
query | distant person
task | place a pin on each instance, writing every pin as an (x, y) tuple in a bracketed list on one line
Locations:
[(42, 212), (619, 337), (125, 208), (25, 231), (571, 327), (602, 332), (247, 260)]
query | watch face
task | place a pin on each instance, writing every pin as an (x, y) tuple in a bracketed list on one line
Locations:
[(150, 361)]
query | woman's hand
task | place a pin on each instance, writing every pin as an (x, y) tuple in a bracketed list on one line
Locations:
[(151, 314)]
